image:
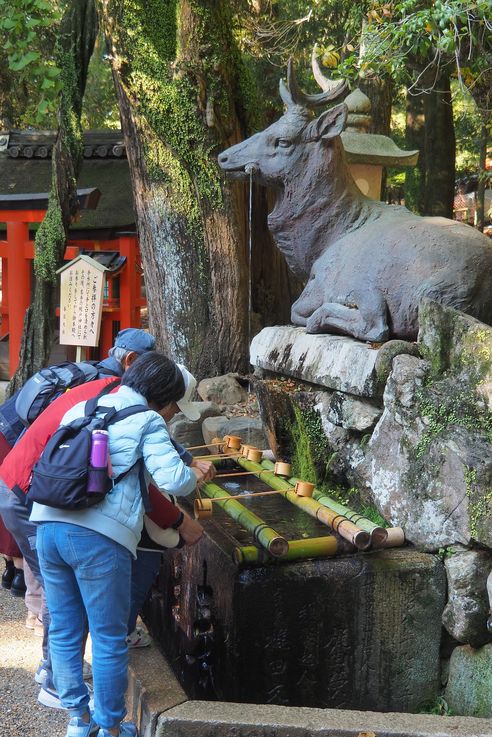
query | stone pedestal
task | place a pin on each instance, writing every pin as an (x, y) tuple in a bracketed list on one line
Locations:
[(358, 631)]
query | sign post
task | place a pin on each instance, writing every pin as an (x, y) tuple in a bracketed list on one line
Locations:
[(81, 300)]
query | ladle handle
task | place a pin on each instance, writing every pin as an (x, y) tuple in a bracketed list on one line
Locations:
[(232, 474), (240, 497)]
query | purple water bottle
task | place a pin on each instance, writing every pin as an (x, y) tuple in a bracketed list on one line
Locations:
[(98, 473)]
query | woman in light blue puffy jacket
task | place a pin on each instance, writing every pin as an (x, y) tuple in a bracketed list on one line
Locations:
[(85, 555)]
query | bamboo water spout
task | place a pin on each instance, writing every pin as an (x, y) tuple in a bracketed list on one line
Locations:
[(360, 538), (263, 533), (381, 537), (313, 547)]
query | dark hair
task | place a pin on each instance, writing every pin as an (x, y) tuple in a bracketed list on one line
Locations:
[(155, 377)]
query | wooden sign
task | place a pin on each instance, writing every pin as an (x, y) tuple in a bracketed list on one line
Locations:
[(81, 299)]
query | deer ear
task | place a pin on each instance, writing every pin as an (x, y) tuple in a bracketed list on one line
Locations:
[(329, 124)]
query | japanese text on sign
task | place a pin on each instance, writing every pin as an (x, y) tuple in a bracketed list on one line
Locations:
[(81, 297)]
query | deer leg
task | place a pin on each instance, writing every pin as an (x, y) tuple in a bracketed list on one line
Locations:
[(366, 320), (303, 307)]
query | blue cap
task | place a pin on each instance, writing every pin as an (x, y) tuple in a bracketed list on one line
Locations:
[(136, 340)]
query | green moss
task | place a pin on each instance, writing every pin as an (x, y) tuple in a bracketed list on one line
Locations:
[(479, 504), (175, 76), (307, 434), (51, 237), (450, 396), (49, 241), (312, 460), (445, 409)]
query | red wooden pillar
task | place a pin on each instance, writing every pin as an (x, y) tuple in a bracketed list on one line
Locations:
[(129, 279), (106, 335), (18, 287)]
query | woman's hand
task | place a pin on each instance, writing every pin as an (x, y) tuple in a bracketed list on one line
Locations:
[(206, 467), (190, 530)]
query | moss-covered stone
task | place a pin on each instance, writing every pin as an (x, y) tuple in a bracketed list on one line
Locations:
[(469, 687)]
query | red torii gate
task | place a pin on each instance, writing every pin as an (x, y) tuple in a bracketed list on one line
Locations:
[(17, 254)]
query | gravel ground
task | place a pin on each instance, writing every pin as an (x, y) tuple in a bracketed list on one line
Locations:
[(20, 652)]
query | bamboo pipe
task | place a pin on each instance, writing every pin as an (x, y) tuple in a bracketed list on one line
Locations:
[(217, 457), (205, 445), (313, 547), (263, 533), (243, 496), (360, 538), (378, 534), (232, 474), (395, 539)]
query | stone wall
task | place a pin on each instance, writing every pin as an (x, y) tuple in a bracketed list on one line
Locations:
[(404, 429)]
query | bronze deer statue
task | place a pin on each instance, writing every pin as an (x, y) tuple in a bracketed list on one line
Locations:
[(367, 264)]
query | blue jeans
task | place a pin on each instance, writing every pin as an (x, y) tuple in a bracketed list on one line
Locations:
[(84, 571), (144, 572)]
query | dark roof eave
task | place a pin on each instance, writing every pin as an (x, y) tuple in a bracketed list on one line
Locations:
[(88, 200)]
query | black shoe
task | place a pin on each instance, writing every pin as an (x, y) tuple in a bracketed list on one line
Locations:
[(18, 587), (8, 574)]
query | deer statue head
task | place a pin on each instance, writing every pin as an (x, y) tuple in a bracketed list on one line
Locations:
[(277, 155)]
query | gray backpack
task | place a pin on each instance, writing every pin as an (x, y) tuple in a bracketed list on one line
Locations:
[(46, 385)]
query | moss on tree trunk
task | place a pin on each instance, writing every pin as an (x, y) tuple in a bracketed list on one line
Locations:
[(181, 89), (72, 54)]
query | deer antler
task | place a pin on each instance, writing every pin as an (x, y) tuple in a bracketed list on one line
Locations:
[(292, 94)]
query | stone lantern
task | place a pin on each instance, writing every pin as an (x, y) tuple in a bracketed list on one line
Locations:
[(367, 153)]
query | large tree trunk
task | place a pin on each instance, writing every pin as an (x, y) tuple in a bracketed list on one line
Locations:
[(415, 140), (480, 204), (178, 90), (72, 54), (380, 92), (440, 149)]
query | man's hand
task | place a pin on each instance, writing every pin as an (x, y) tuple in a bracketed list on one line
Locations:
[(190, 530), (207, 468)]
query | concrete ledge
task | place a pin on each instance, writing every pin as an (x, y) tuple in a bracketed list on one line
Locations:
[(219, 719), (160, 708), (152, 689)]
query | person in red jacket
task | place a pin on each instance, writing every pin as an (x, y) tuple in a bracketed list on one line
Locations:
[(15, 474)]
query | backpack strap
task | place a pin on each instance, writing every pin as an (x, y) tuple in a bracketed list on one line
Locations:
[(121, 415), (109, 387)]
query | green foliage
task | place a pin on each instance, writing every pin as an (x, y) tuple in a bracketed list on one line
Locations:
[(414, 37), (446, 553), (27, 30), (100, 107)]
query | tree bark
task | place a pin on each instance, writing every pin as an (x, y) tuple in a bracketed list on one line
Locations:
[(72, 54), (415, 139), (440, 149), (380, 92), (178, 87), (480, 204)]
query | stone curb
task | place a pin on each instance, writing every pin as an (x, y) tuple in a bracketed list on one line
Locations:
[(160, 708)]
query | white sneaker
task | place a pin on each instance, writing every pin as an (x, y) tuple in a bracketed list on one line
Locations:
[(49, 697), (138, 638)]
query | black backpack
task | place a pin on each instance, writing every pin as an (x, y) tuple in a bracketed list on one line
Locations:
[(60, 476), (48, 383)]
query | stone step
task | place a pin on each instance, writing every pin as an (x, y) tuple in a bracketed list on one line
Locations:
[(220, 719), (160, 708)]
